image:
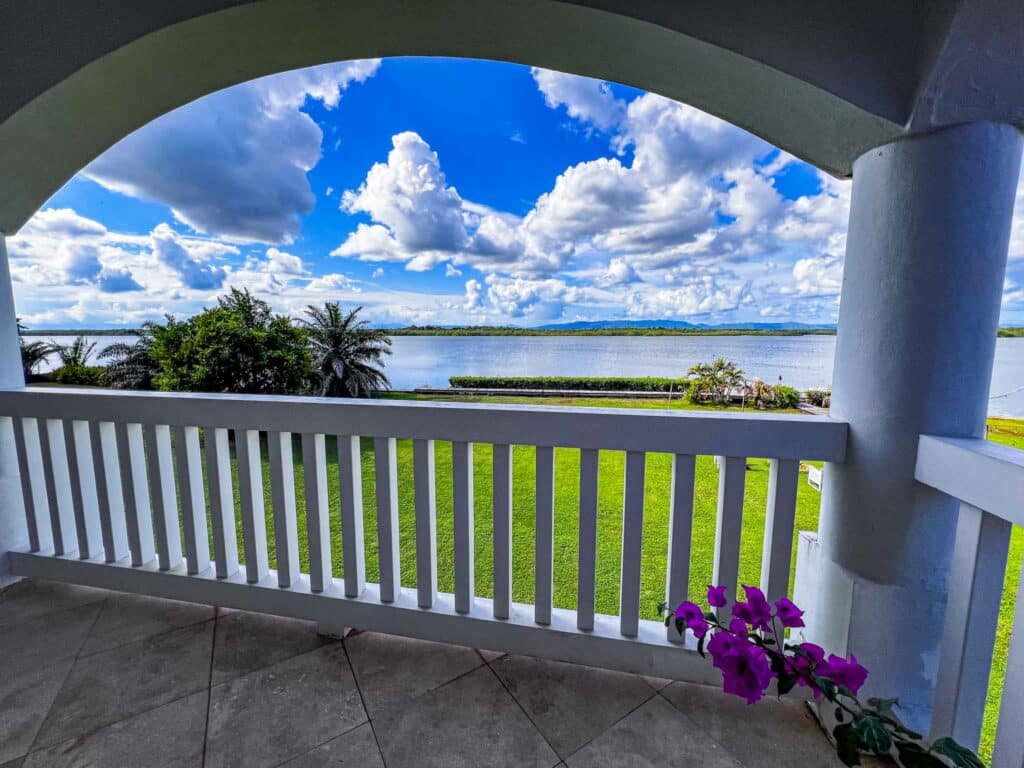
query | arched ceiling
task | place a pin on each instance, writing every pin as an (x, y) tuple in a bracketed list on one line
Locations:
[(823, 79)]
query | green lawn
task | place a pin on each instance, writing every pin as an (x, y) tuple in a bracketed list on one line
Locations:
[(609, 522)]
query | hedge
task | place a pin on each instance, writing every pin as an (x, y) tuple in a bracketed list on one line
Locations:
[(599, 383), (76, 375)]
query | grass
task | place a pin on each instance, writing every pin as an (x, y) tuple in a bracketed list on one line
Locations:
[(658, 479)]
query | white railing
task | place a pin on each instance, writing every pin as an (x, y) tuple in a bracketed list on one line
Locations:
[(988, 479), (110, 478)]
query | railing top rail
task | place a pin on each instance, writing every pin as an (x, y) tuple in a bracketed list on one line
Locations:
[(692, 432), (983, 474)]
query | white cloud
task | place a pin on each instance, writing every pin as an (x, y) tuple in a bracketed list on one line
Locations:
[(410, 197), (585, 99), (283, 263), (190, 263), (234, 163), (474, 295), (696, 296), (451, 271)]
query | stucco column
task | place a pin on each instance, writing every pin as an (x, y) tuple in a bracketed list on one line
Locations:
[(13, 532), (922, 285)]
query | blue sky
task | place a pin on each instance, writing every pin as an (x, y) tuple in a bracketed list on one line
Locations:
[(444, 191)]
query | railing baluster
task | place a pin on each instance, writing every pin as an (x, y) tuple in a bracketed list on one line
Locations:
[(544, 534), (632, 542), (350, 482), (250, 496), (318, 526), (138, 517), (58, 488), (222, 501), (1009, 747), (462, 509), (426, 522), (193, 501), (282, 492), (732, 472), (680, 531), (109, 496), (163, 495), (777, 555), (976, 578), (385, 466), (82, 479), (502, 508), (588, 540), (33, 485)]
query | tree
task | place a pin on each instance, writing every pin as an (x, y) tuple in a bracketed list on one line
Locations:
[(76, 354), (714, 381), (132, 365), (348, 356), (238, 346), (32, 354)]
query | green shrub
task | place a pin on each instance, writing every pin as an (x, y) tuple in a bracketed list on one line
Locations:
[(81, 375), (583, 383), (785, 397)]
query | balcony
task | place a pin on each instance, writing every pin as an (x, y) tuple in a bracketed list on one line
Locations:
[(109, 679), (126, 491)]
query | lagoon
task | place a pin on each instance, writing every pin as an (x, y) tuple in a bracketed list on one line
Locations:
[(801, 361)]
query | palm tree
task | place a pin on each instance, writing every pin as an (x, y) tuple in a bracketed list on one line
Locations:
[(32, 354), (132, 366), (76, 354), (348, 356), (714, 381)]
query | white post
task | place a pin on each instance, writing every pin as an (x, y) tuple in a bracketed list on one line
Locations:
[(925, 260), (13, 530)]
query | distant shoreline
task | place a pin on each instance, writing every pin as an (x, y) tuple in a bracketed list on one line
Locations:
[(503, 331)]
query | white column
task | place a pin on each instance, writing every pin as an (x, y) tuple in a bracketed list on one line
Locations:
[(922, 285), (13, 531)]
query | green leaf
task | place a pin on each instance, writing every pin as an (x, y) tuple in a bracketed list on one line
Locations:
[(961, 756), (680, 626), (914, 756), (847, 744), (662, 607), (873, 734), (839, 714), (668, 620), (786, 683), (711, 616), (826, 686), (700, 647), (883, 706)]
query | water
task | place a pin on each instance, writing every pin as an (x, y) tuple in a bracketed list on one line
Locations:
[(802, 361)]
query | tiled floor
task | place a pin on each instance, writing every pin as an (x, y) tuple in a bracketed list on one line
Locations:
[(94, 678)]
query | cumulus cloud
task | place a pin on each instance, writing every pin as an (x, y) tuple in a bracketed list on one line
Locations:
[(585, 99), (233, 164), (191, 267), (696, 296), (117, 280), (418, 214), (283, 263)]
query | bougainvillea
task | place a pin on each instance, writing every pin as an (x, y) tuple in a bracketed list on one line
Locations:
[(752, 651)]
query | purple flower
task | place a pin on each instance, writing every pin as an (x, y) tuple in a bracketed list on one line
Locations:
[(692, 615), (716, 596), (723, 644), (746, 672), (804, 664), (789, 615), (756, 611), (843, 672)]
